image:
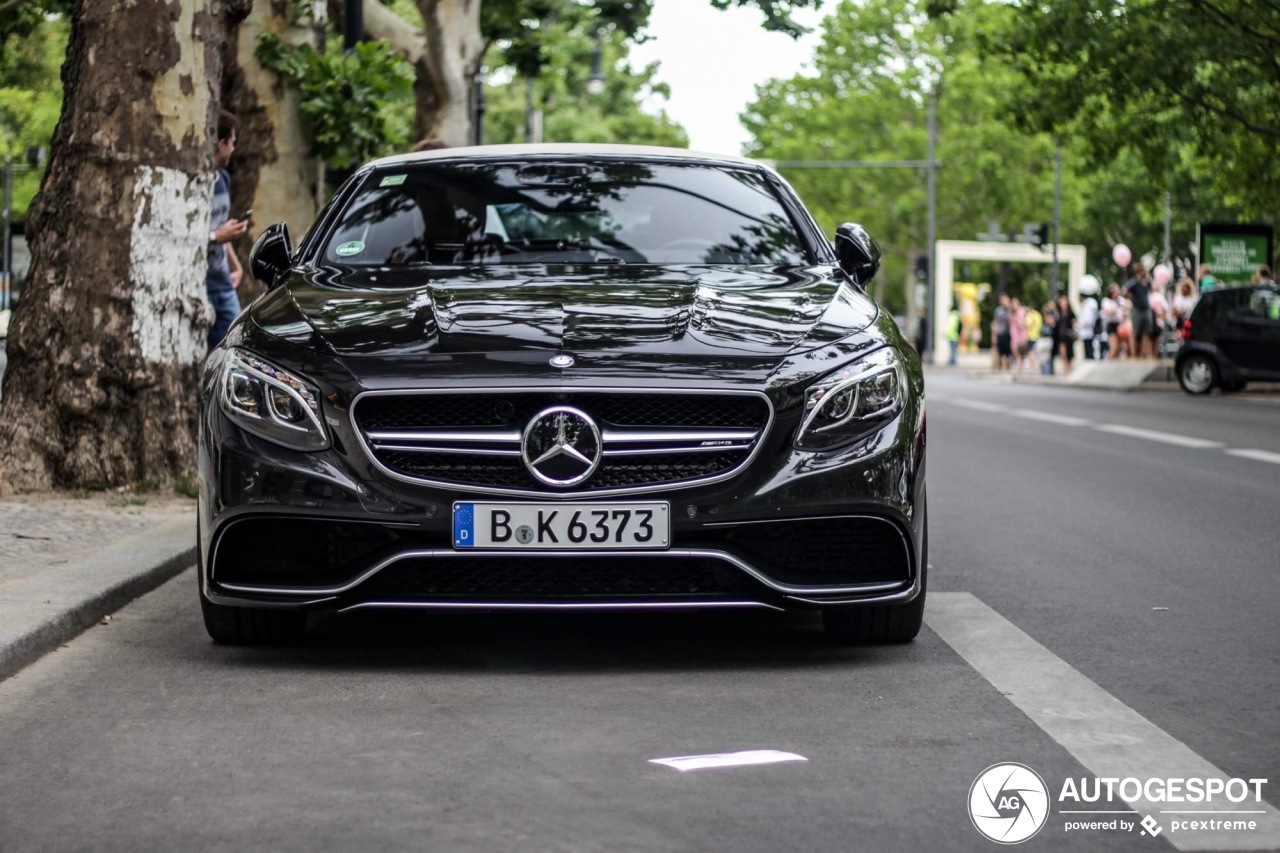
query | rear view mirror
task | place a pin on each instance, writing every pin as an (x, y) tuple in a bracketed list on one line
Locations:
[(271, 255), (859, 255)]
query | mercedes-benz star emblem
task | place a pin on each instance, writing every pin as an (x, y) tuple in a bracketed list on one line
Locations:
[(562, 360), (561, 446)]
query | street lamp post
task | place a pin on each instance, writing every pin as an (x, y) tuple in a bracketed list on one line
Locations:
[(480, 109)]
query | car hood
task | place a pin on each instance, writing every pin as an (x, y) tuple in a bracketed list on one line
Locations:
[(696, 310)]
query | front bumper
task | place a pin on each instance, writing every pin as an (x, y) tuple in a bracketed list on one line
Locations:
[(331, 530)]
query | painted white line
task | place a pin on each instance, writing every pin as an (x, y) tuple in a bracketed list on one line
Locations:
[(1257, 455), (750, 757), (1163, 437), (1101, 732), (980, 405), (1050, 417)]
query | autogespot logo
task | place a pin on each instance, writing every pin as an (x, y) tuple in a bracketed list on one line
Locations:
[(1008, 803)]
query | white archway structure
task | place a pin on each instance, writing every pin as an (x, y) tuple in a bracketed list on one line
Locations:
[(947, 252)]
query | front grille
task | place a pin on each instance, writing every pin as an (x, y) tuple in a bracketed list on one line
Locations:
[(820, 552), (532, 578), (473, 441), (480, 411)]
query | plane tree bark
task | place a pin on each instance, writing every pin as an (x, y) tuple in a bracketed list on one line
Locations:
[(106, 345)]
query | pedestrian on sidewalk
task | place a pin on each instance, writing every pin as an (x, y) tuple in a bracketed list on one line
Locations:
[(1090, 326), (1000, 331), (225, 272), (1018, 334), (1184, 302), (1045, 348), (1160, 319), (1140, 316), (1205, 280), (1035, 324), (1111, 317), (1066, 332), (922, 336), (953, 336)]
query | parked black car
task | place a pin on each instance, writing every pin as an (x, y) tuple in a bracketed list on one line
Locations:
[(563, 377), (1232, 338)]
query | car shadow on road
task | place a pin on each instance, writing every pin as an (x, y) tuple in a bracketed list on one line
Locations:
[(567, 643)]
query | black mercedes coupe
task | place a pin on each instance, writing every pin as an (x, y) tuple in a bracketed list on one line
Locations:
[(563, 377)]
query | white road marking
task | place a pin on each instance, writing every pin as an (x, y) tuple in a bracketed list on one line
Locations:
[(1257, 455), (1153, 435), (750, 757), (1050, 417), (980, 405), (1108, 737)]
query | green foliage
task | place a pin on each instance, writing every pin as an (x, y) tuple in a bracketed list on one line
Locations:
[(30, 96), (875, 67), (1185, 85), (530, 32), (27, 16), (347, 99), (572, 114), (776, 12)]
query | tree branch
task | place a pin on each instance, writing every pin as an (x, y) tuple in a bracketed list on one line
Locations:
[(404, 38)]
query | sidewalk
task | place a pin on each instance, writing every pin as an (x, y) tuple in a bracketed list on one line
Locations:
[(1123, 375), (69, 561)]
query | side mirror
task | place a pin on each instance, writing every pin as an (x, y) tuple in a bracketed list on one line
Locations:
[(271, 255), (859, 255)]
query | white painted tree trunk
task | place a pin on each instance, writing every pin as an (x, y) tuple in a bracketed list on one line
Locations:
[(106, 346)]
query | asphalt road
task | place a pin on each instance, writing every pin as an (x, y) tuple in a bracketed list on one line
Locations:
[(1099, 595)]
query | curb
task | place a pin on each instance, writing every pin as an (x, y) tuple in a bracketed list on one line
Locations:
[(40, 613)]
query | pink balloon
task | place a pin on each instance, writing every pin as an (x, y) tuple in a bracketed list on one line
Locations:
[(1162, 274), (1121, 255)]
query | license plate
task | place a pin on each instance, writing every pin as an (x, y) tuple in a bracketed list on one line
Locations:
[(561, 527)]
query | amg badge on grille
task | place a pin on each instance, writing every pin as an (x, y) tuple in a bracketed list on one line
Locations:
[(561, 446)]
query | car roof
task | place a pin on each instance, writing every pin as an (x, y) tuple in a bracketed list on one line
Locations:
[(565, 149)]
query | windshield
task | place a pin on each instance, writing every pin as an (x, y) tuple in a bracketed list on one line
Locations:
[(565, 212)]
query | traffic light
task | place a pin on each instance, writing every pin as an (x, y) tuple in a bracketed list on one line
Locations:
[(921, 267), (1042, 235)]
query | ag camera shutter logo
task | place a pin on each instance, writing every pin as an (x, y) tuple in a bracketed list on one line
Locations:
[(1008, 803)]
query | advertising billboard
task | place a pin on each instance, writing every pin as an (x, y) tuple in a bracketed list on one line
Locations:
[(1233, 250)]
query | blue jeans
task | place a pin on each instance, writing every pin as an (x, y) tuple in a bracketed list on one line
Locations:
[(226, 307), (955, 347)]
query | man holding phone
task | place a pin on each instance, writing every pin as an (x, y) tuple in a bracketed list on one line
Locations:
[(225, 271)]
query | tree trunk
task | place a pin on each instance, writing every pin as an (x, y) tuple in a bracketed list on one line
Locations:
[(272, 171), (107, 342), (445, 71), (446, 55)]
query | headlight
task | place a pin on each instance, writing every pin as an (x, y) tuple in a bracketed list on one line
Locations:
[(272, 403), (853, 402)]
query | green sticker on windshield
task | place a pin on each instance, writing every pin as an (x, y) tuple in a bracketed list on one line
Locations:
[(355, 247), (393, 180)]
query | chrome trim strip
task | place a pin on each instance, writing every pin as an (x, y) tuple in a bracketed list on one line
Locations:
[(416, 435), (561, 389), (667, 451), (639, 605), (468, 451), (674, 552), (687, 435)]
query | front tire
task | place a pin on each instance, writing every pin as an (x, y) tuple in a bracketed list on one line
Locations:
[(1197, 374)]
